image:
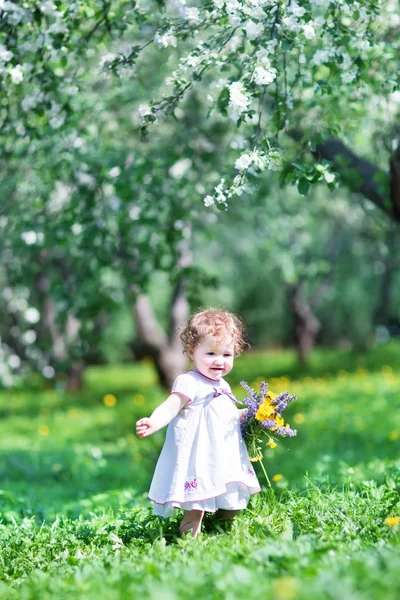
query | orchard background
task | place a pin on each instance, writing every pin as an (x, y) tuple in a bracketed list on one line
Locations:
[(161, 156)]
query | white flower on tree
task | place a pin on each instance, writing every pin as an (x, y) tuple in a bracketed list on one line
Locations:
[(192, 14), (309, 31), (16, 74), (238, 99), (163, 40), (264, 76), (243, 162), (253, 30)]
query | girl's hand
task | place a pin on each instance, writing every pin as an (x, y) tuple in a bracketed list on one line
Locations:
[(243, 413), (144, 427)]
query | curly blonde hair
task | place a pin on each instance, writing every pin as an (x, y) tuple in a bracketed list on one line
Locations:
[(216, 323)]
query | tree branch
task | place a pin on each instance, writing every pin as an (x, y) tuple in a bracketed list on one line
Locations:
[(358, 174)]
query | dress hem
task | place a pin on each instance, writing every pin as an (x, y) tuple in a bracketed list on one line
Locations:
[(257, 491)]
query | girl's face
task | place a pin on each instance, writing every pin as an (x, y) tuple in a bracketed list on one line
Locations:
[(213, 358)]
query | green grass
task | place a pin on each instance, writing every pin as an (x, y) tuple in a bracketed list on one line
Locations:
[(75, 521)]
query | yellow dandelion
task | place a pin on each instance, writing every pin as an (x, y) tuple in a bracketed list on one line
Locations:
[(256, 458), (279, 421), (73, 413), (393, 435), (272, 444), (285, 588), (392, 521), (299, 418), (138, 399), (387, 370), (109, 400), (44, 430), (277, 477), (264, 411)]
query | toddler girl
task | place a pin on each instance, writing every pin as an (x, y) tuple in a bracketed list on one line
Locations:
[(204, 464)]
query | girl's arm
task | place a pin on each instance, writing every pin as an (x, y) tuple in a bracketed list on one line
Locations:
[(162, 415)]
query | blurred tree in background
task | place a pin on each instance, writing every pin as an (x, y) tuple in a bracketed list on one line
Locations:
[(102, 188)]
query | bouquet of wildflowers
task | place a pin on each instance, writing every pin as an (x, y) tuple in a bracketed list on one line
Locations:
[(264, 416)]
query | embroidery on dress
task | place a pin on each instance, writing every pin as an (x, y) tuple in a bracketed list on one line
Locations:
[(222, 392), (191, 484), (248, 470)]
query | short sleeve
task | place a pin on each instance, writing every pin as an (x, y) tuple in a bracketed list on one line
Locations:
[(186, 385), (227, 387)]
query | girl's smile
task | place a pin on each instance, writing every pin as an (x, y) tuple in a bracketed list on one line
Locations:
[(214, 358)]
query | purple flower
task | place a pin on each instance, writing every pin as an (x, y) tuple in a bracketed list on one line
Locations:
[(263, 389), (268, 424), (286, 431), (282, 401)]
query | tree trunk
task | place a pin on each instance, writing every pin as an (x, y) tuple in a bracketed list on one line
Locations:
[(307, 326), (165, 349), (75, 376), (382, 314)]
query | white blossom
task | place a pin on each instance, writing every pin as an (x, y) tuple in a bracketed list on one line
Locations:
[(209, 201), (29, 237), (57, 121), (16, 74), (49, 373), (109, 57), (243, 162), (32, 315), (253, 30), (349, 75), (295, 9), (5, 55), (163, 40), (192, 14), (178, 170), (193, 61), (115, 171), (322, 56), (309, 31), (291, 23), (14, 361), (29, 337), (264, 76), (238, 99), (85, 179)]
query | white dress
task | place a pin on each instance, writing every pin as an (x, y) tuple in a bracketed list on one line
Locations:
[(204, 464)]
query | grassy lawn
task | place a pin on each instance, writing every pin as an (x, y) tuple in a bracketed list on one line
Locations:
[(75, 521)]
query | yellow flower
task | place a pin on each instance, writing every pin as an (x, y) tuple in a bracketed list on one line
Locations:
[(393, 435), (277, 477), (285, 588), (138, 399), (44, 430), (392, 521), (299, 418), (109, 400), (272, 444), (256, 458), (271, 395), (279, 421), (264, 411)]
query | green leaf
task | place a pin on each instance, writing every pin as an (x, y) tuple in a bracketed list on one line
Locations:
[(303, 186)]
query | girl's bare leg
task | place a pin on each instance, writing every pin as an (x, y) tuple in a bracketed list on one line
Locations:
[(191, 521)]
